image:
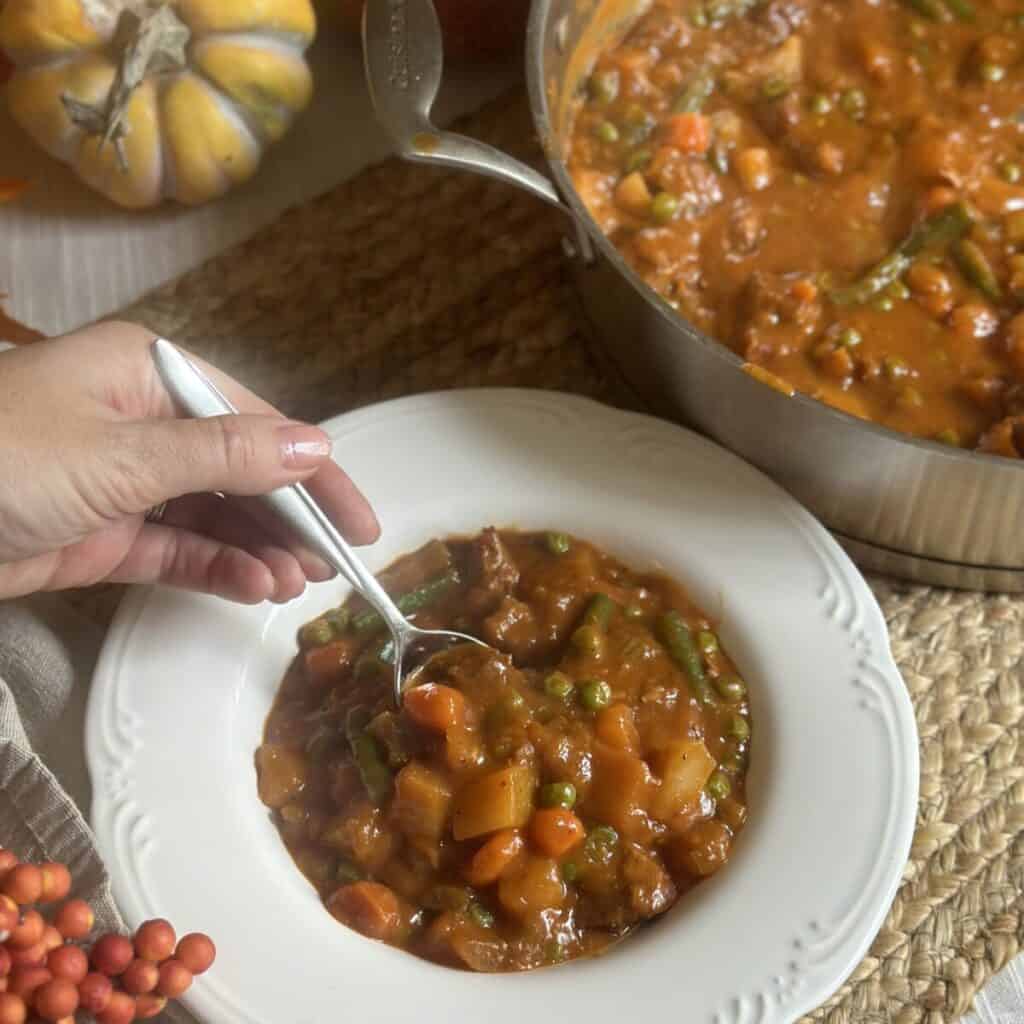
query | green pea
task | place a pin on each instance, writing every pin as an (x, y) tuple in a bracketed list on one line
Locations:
[(559, 686), (339, 619), (738, 728), (718, 786), (664, 207), (707, 641), (854, 103), (731, 688), (589, 639), (1011, 172), (558, 543), (732, 763), (558, 794), (316, 634), (699, 17), (604, 86), (607, 132), (774, 88), (595, 694), (634, 611), (480, 915), (849, 337), (894, 367), (637, 160), (990, 72), (570, 871), (602, 837), (884, 304), (820, 104)]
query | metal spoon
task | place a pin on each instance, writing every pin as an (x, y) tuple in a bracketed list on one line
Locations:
[(198, 396)]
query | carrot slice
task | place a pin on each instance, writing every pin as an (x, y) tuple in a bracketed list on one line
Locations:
[(369, 907), (436, 707), (491, 861), (689, 132), (555, 831)]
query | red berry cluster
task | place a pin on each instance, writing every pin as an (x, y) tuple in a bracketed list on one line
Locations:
[(47, 974)]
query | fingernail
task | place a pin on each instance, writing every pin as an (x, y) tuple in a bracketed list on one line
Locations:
[(303, 447)]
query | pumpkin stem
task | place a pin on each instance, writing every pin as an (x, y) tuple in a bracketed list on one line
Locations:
[(150, 40)]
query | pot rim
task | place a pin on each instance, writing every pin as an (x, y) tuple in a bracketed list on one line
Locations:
[(540, 14)]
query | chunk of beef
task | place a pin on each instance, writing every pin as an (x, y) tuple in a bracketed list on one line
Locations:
[(494, 573), (775, 320)]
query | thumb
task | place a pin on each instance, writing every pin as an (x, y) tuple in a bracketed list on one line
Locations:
[(242, 455)]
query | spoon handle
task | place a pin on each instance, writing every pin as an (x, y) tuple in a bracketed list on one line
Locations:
[(198, 396)]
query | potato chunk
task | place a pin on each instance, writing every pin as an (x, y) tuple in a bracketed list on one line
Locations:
[(422, 801), (685, 768), (502, 799)]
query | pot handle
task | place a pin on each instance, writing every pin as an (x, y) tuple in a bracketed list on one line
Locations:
[(403, 53)]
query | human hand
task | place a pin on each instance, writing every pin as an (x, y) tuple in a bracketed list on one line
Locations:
[(89, 443)]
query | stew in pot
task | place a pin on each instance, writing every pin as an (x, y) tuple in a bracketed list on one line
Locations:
[(834, 189), (527, 805)]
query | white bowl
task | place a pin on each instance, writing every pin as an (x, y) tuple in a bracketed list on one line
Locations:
[(185, 682)]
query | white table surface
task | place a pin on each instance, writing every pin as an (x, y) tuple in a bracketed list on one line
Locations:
[(67, 257)]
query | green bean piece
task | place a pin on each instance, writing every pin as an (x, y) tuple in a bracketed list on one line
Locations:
[(722, 10), (946, 226), (678, 640), (346, 873), (738, 728), (664, 207), (376, 660), (559, 686), (554, 952), (558, 543), (558, 794), (366, 753), (974, 265), (589, 639), (599, 611), (732, 689), (962, 10), (412, 601), (449, 897), (718, 786), (388, 730), (339, 618), (774, 88), (604, 86), (718, 157), (849, 337), (637, 160), (316, 634), (570, 871), (732, 763), (707, 641), (595, 694), (933, 10), (480, 915), (696, 93), (607, 132)]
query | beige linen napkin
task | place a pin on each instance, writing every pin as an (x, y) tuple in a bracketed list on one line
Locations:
[(47, 654)]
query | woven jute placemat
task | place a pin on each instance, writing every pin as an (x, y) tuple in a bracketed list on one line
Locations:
[(407, 280)]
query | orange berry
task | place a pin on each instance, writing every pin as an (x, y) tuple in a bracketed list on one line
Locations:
[(149, 1005), (23, 883), (120, 1009), (52, 939), (23, 981), (197, 952), (56, 999), (28, 931), (56, 881), (10, 914), (94, 992), (74, 920), (140, 976), (12, 1009), (5, 962), (30, 956), (69, 963), (175, 979), (7, 861), (155, 940), (111, 954)]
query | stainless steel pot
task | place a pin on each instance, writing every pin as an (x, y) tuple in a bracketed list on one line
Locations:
[(901, 506)]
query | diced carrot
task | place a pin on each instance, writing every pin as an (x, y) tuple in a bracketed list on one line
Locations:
[(555, 831), (616, 726), (938, 198), (436, 707), (804, 290), (11, 188), (327, 664), (369, 907), (689, 132), (493, 858)]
